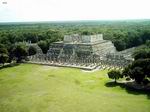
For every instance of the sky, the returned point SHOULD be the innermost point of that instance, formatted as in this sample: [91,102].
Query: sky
[66,10]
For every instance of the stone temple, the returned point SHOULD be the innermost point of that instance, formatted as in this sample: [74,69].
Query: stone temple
[83,51]
[77,48]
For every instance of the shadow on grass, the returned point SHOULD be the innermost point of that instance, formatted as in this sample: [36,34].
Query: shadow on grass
[113,84]
[128,89]
[9,65]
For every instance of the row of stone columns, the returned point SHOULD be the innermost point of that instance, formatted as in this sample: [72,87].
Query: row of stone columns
[79,61]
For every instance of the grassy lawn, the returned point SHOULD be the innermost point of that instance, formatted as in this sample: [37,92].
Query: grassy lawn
[37,88]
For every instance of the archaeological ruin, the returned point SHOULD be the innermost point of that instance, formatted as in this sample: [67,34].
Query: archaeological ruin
[83,51]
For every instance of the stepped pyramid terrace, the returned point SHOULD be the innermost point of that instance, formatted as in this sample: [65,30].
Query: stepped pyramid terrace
[76,48]
[82,51]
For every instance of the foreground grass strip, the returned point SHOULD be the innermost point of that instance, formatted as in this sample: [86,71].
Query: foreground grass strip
[37,88]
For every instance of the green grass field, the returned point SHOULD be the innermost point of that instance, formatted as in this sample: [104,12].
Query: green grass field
[37,88]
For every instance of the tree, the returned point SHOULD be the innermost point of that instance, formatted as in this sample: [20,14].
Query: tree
[148,43]
[31,37]
[3,49]
[86,33]
[138,74]
[133,39]
[32,50]
[142,54]
[20,51]
[138,70]
[145,35]
[44,46]
[120,45]
[115,74]
[3,54]
[10,48]
[54,35]
[3,58]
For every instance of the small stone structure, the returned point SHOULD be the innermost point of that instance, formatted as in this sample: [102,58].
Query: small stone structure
[82,51]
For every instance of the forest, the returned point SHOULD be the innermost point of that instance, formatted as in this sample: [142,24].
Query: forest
[124,34]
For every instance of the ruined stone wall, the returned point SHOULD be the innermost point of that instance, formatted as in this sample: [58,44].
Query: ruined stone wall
[72,38]
[75,38]
[96,38]
[104,48]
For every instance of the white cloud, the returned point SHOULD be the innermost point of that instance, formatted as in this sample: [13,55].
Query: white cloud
[51,10]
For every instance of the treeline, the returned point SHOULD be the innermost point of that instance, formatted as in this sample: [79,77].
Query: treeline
[124,34]
[43,37]
[11,37]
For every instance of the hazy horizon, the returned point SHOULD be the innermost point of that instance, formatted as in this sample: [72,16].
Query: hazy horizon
[63,21]
[73,10]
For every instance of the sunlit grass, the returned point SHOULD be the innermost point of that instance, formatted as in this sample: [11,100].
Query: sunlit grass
[37,88]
